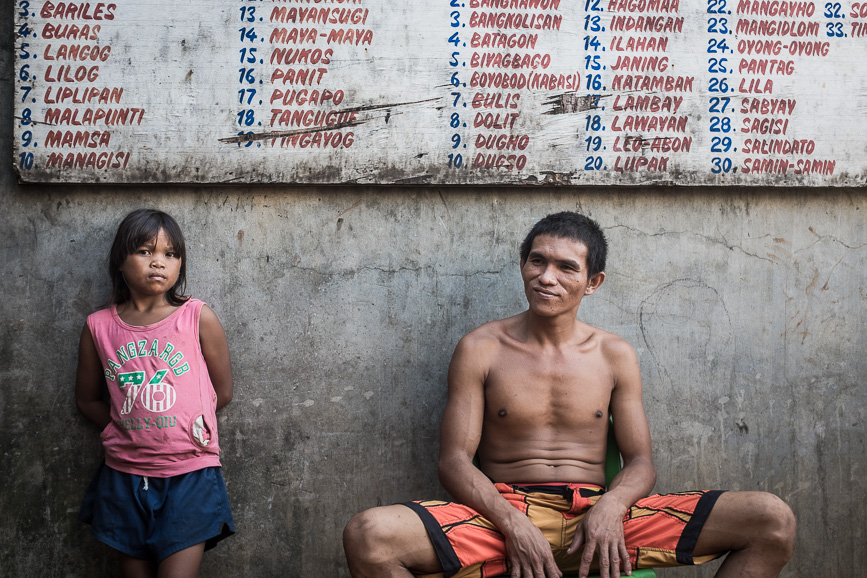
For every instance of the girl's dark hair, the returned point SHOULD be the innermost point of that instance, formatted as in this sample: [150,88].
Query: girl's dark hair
[136,229]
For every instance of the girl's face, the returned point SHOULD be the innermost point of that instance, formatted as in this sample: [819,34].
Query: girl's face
[153,268]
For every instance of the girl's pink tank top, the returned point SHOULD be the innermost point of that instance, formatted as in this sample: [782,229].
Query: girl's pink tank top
[163,404]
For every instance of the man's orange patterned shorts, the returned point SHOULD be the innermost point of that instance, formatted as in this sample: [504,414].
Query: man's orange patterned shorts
[660,530]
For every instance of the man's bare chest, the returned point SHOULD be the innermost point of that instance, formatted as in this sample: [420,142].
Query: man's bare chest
[534,393]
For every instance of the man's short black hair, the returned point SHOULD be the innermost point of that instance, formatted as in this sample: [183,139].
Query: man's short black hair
[569,225]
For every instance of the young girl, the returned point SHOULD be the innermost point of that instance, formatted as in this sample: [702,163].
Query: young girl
[160,498]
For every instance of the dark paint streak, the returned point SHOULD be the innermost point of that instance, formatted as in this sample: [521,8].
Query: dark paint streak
[419,180]
[570,103]
[381,106]
[280,134]
[286,133]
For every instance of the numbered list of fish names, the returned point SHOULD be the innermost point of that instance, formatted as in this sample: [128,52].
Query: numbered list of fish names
[715,92]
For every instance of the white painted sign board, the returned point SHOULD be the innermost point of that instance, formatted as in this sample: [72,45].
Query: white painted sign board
[599,92]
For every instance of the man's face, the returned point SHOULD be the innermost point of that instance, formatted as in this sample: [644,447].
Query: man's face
[555,275]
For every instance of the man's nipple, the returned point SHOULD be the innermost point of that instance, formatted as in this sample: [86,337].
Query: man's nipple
[598,413]
[502,412]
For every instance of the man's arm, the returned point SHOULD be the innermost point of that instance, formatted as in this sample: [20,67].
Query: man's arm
[601,530]
[528,551]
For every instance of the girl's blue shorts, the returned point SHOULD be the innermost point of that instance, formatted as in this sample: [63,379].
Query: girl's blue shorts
[153,518]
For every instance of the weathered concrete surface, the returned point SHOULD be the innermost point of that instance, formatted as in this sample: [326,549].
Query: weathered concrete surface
[342,307]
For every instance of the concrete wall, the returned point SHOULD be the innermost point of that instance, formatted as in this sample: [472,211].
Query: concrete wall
[342,306]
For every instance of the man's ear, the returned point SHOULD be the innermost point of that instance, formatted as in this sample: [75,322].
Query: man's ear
[594,282]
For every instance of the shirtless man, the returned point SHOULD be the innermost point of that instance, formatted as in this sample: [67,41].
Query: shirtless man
[532,395]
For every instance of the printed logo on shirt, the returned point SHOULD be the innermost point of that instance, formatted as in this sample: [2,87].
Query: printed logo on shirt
[159,422]
[143,348]
[156,396]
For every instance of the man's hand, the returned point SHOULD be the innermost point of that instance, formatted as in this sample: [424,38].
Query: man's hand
[529,552]
[601,530]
